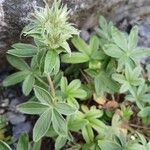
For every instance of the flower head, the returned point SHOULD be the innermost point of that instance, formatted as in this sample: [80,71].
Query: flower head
[51,27]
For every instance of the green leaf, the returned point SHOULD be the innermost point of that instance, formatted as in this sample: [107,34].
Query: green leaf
[144,112]
[119,78]
[76,124]
[88,134]
[125,87]
[59,123]
[23,50]
[4,146]
[36,145]
[60,142]
[42,125]
[80,44]
[133,38]
[74,85]
[75,58]
[119,38]
[15,78]
[103,83]
[32,108]
[113,50]
[65,109]
[43,96]
[103,23]
[17,62]
[50,61]
[94,43]
[64,84]
[98,125]
[140,52]
[108,145]
[28,84]
[23,143]
[79,93]
[65,45]
[94,113]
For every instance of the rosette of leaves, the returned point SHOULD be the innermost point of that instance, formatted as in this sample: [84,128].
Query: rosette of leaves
[72,91]
[124,47]
[50,112]
[131,77]
[87,121]
[140,95]
[100,67]
[90,54]
[29,75]
[50,29]
[50,26]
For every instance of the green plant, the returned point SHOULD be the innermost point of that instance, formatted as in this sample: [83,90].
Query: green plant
[108,64]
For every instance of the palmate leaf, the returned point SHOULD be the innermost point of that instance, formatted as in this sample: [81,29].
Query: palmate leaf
[130,78]
[42,125]
[72,90]
[103,83]
[32,107]
[23,50]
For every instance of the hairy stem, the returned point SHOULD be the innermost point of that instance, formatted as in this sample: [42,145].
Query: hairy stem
[51,85]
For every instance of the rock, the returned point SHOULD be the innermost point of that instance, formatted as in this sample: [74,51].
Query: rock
[20,128]
[15,118]
[15,13]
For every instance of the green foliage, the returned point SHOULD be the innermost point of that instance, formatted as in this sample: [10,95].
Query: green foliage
[108,63]
[72,91]
[86,121]
[50,112]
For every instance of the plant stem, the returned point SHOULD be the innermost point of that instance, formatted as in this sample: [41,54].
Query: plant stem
[51,85]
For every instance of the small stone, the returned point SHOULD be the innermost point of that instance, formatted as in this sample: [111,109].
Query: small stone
[13,104]
[15,118]
[20,128]
[2,111]
[5,103]
[85,35]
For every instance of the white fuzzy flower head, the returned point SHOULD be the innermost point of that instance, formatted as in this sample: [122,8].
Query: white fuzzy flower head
[50,26]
